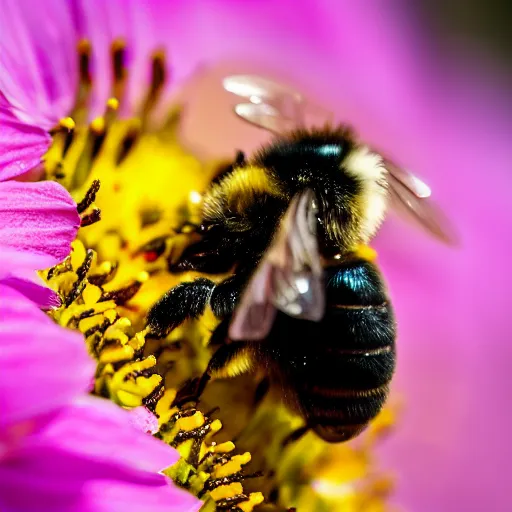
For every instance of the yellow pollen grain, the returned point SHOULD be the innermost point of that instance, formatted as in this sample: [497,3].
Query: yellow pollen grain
[68,123]
[142,277]
[98,124]
[226,447]
[231,467]
[255,498]
[113,103]
[190,423]
[227,491]
[91,294]
[215,426]
[115,354]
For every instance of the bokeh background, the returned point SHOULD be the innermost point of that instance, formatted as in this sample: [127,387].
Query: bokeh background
[429,82]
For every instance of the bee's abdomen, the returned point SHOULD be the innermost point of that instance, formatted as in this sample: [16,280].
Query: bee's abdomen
[341,367]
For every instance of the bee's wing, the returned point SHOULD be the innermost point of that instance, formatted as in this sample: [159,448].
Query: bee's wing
[279,109]
[289,277]
[271,105]
[410,197]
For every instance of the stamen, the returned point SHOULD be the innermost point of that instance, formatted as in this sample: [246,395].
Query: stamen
[122,295]
[111,112]
[84,62]
[235,477]
[93,144]
[149,216]
[81,274]
[118,52]
[91,218]
[158,79]
[228,503]
[101,279]
[89,198]
[151,400]
[127,143]
[79,112]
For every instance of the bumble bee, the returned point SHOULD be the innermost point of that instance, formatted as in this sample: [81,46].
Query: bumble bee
[302,302]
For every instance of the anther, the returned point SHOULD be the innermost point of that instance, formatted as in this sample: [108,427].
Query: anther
[152,399]
[93,144]
[91,218]
[81,274]
[101,279]
[85,80]
[158,79]
[128,142]
[229,502]
[111,111]
[84,56]
[122,295]
[89,198]
[118,55]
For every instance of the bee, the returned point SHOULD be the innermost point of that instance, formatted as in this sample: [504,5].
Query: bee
[303,302]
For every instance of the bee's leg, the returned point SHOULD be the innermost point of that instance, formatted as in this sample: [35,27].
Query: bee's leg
[187,300]
[226,361]
[225,298]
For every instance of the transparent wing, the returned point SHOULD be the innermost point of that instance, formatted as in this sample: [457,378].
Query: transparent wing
[410,197]
[289,278]
[271,105]
[279,109]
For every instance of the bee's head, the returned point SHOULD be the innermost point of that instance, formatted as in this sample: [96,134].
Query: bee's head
[348,179]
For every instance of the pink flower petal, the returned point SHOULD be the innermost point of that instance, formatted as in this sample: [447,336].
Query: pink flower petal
[113,496]
[15,263]
[96,428]
[38,60]
[40,218]
[144,420]
[43,477]
[42,296]
[133,22]
[21,145]
[43,366]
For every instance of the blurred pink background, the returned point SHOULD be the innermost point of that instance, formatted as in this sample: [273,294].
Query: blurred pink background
[443,112]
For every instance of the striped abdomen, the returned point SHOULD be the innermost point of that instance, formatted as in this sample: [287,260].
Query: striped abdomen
[340,368]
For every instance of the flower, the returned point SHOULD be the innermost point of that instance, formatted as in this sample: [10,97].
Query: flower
[38,221]
[58,449]
[374,69]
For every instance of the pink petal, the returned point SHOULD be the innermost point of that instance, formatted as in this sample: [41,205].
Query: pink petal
[41,476]
[113,496]
[43,366]
[38,59]
[21,145]
[42,296]
[144,420]
[13,262]
[40,218]
[132,21]
[96,428]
